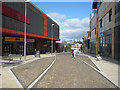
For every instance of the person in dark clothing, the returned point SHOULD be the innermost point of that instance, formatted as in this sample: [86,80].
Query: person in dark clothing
[72,53]
[35,53]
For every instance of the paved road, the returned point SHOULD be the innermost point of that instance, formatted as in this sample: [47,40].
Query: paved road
[71,73]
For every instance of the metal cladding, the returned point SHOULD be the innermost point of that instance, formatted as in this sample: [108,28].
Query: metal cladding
[38,23]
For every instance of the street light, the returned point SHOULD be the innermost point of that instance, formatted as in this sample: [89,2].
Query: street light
[52,38]
[25,29]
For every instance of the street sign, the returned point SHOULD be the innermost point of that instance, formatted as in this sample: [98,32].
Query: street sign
[101,34]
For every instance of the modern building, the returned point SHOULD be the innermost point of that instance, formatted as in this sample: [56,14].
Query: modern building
[105,29]
[86,43]
[59,47]
[41,29]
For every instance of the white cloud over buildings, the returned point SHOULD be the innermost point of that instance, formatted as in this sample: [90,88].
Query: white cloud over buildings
[57,16]
[71,28]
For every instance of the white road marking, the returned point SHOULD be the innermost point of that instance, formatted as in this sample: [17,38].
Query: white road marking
[41,75]
[99,72]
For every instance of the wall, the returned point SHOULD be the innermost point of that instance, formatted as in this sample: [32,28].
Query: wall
[103,7]
[117,30]
[93,21]
[36,20]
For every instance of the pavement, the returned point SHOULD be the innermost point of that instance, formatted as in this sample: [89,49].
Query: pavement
[7,79]
[87,60]
[68,72]
[108,66]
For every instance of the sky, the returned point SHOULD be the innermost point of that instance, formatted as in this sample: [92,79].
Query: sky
[72,17]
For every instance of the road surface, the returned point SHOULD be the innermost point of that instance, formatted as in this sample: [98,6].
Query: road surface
[68,72]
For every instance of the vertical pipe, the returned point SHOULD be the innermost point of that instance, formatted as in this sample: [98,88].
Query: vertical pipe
[25,32]
[97,33]
[51,38]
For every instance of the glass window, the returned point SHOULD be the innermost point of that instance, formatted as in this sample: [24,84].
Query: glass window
[110,15]
[95,31]
[101,23]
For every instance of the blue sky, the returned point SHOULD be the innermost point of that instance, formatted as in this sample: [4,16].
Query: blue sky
[73,17]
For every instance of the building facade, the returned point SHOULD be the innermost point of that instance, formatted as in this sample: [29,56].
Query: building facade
[40,30]
[86,43]
[104,29]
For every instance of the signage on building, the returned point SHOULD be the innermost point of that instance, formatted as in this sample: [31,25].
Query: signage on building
[101,34]
[17,39]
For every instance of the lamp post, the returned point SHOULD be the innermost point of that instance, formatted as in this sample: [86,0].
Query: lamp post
[25,29]
[52,38]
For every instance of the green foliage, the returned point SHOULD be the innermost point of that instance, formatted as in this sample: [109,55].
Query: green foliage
[81,48]
[66,48]
[63,47]
[69,47]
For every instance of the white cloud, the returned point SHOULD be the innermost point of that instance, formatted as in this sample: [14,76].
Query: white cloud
[56,16]
[73,33]
[74,28]
[76,23]
[70,28]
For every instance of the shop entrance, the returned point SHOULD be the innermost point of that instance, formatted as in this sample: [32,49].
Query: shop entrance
[12,48]
[7,48]
[15,45]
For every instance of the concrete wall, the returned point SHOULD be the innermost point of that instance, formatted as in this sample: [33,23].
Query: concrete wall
[103,7]
[93,21]
[105,23]
[117,13]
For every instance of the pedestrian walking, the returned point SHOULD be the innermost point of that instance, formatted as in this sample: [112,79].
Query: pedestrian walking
[72,53]
[35,53]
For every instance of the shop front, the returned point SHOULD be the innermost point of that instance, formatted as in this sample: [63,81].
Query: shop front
[106,43]
[93,46]
[93,42]
[15,45]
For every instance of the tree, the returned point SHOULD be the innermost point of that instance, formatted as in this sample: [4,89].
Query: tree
[66,48]
[81,48]
[69,47]
[63,47]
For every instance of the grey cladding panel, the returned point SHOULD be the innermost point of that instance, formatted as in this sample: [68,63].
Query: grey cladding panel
[12,23]
[18,6]
[36,25]
[55,28]
[49,28]
[36,18]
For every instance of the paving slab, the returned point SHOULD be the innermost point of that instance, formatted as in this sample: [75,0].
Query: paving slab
[7,79]
[28,72]
[109,67]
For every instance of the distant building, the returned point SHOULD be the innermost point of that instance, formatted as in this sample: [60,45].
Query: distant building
[59,47]
[76,46]
[86,43]
[69,41]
